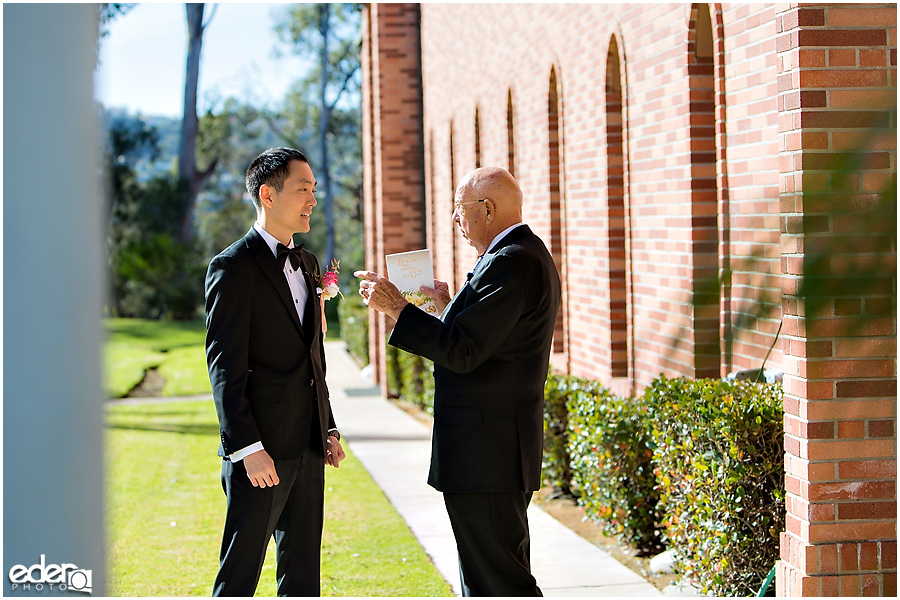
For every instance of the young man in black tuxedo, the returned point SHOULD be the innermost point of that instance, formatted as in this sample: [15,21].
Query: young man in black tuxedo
[267,368]
[491,351]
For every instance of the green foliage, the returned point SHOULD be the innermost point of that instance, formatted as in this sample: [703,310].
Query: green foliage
[330,30]
[169,511]
[427,398]
[611,464]
[701,460]
[555,465]
[354,318]
[394,378]
[719,455]
[323,111]
[410,378]
[223,219]
[409,368]
[153,274]
[233,135]
[416,380]
[159,277]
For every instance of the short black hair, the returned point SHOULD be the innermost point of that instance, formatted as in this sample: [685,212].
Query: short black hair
[271,167]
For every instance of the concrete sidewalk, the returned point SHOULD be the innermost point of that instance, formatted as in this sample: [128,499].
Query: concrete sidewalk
[395,449]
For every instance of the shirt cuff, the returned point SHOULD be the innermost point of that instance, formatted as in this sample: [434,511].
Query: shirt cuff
[240,454]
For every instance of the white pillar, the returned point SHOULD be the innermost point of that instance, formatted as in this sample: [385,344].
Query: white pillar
[53,238]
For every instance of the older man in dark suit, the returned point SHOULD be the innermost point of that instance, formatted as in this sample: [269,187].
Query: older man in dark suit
[491,349]
[267,369]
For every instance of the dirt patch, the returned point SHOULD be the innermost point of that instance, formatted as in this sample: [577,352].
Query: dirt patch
[151,386]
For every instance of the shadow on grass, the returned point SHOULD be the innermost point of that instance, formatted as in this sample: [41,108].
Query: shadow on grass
[193,429]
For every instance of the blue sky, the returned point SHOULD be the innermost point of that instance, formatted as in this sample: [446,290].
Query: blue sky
[142,60]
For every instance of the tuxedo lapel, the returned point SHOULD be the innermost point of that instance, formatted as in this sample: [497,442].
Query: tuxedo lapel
[454,306]
[312,316]
[269,266]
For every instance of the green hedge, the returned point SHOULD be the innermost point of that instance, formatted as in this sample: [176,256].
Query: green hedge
[555,465]
[697,465]
[611,462]
[719,454]
[354,318]
[410,378]
[394,378]
[417,380]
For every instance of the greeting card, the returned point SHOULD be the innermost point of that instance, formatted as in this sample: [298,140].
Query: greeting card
[408,271]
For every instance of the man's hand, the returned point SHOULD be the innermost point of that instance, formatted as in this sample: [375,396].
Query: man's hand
[261,469]
[335,452]
[440,293]
[380,294]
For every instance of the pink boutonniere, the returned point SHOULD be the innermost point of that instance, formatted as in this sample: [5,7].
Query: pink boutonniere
[328,282]
[327,288]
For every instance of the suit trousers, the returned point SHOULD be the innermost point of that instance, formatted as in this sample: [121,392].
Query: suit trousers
[491,530]
[292,511]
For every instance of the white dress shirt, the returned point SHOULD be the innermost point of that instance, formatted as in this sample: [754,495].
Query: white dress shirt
[295,280]
[502,235]
[493,243]
[299,293]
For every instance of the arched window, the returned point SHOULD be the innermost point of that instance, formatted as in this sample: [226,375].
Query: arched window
[704,196]
[453,230]
[477,140]
[615,185]
[510,136]
[555,169]
[432,224]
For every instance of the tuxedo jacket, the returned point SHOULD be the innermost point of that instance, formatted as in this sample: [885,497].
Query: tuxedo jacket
[267,371]
[491,349]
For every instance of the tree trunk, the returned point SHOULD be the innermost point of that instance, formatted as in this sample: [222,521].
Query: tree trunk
[324,119]
[190,180]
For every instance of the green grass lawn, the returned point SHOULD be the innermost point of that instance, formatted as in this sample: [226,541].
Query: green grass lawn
[166,509]
[176,348]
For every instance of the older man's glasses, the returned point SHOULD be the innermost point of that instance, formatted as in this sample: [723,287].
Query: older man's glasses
[457,206]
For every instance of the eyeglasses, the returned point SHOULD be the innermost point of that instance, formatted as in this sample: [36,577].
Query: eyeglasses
[459,205]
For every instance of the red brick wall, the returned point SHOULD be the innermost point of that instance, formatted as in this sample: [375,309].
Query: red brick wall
[393,150]
[717,163]
[463,70]
[837,97]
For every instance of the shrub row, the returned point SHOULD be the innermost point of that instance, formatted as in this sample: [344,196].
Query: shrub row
[612,470]
[720,467]
[410,378]
[694,464]
[354,318]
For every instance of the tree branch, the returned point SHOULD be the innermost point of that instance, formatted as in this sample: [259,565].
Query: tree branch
[211,15]
[347,78]
[348,51]
[276,130]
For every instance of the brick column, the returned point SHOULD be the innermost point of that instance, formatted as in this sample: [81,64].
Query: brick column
[393,149]
[837,153]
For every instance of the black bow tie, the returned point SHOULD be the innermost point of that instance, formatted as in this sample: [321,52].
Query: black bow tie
[284,252]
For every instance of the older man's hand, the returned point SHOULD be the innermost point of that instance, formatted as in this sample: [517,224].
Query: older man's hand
[440,294]
[379,293]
